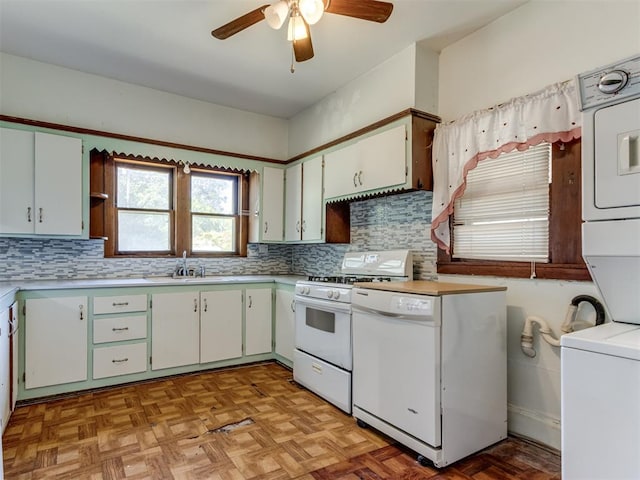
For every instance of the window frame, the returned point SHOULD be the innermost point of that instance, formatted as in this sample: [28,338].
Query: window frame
[565,229]
[170,210]
[181,211]
[237,208]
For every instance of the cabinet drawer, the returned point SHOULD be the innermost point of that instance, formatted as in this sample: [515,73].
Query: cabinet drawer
[119,328]
[120,303]
[119,360]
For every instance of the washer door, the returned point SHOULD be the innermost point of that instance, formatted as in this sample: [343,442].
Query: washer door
[617,156]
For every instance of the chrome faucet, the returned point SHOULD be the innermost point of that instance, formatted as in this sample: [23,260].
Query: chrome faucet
[185,270]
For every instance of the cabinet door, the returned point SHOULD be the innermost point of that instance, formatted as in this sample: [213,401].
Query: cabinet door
[341,171]
[14,355]
[220,325]
[272,203]
[258,321]
[16,181]
[58,184]
[175,329]
[383,159]
[55,341]
[293,203]
[312,199]
[285,315]
[5,382]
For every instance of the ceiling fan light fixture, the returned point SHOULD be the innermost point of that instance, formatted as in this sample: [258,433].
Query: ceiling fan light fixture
[276,13]
[311,10]
[297,29]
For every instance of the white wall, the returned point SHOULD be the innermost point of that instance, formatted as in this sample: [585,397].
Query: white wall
[540,43]
[385,90]
[49,93]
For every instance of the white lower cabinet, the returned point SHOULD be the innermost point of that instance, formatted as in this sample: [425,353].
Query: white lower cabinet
[175,329]
[56,342]
[116,329]
[119,360]
[285,318]
[220,325]
[258,309]
[5,376]
[195,327]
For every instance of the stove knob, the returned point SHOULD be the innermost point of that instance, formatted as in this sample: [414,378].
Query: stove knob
[336,294]
[306,290]
[329,294]
[300,289]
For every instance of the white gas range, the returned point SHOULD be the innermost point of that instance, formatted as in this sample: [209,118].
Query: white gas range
[323,355]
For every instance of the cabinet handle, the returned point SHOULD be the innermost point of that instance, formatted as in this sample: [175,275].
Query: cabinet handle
[81,307]
[29,214]
[120,304]
[266,226]
[122,360]
[121,329]
[360,177]
[40,215]
[195,304]
[13,326]
[250,301]
[293,306]
[304,226]
[355,176]
[298,226]
[205,304]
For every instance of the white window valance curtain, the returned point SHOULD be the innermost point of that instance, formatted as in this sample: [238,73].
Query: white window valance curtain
[549,115]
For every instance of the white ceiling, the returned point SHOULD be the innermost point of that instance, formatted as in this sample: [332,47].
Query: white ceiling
[167,45]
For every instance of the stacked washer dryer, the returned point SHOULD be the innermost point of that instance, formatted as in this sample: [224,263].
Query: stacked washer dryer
[601,365]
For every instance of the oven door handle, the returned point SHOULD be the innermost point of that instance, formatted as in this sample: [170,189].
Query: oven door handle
[326,305]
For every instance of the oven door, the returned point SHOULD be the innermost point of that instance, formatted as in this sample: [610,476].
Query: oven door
[323,329]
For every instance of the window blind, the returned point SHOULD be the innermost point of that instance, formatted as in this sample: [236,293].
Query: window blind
[504,212]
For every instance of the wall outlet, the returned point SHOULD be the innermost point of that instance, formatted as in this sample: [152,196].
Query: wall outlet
[262,248]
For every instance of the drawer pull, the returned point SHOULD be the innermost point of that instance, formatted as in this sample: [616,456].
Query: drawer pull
[122,360]
[120,304]
[121,329]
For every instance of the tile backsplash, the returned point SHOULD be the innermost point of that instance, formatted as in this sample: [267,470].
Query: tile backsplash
[385,223]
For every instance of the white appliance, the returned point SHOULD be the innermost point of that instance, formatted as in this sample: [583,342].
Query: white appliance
[610,100]
[600,369]
[322,359]
[430,371]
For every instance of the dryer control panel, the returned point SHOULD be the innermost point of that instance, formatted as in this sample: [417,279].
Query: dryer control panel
[609,84]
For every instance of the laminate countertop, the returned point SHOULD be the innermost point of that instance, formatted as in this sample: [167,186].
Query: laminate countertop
[425,287]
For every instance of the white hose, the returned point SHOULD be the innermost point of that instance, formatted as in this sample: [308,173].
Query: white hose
[526,338]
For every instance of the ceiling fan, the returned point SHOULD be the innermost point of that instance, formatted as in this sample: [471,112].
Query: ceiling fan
[301,14]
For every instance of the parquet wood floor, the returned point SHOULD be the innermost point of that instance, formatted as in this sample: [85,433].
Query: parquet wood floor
[235,424]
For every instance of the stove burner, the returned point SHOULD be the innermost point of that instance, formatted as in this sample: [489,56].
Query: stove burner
[346,280]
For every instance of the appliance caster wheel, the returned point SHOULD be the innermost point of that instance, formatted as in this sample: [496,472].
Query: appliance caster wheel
[424,461]
[360,423]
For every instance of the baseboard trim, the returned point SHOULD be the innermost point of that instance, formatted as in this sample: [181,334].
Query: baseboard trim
[534,426]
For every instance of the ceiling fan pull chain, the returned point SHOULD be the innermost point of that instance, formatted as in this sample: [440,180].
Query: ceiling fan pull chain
[293,65]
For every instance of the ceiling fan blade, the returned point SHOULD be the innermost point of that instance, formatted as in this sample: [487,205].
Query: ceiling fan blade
[240,23]
[372,10]
[303,48]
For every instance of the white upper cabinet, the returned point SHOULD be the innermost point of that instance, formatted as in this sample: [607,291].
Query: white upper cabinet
[40,183]
[375,162]
[271,211]
[341,171]
[293,205]
[303,208]
[312,199]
